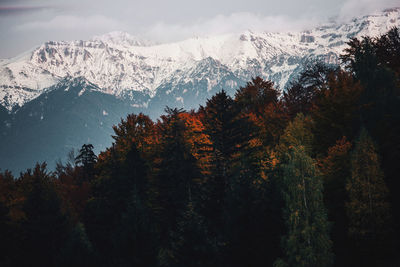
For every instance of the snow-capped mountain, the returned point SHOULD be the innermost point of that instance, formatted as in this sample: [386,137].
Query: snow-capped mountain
[142,71]
[64,117]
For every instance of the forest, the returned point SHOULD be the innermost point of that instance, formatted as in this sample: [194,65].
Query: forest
[306,177]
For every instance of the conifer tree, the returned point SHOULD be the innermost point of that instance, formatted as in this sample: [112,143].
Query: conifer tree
[256,95]
[374,62]
[77,249]
[218,118]
[302,92]
[178,175]
[86,159]
[368,209]
[46,226]
[86,156]
[5,229]
[335,171]
[118,178]
[232,164]
[134,237]
[307,241]
[335,111]
[191,244]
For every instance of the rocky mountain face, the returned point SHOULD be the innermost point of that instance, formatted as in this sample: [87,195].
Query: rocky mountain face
[124,66]
[63,94]
[69,114]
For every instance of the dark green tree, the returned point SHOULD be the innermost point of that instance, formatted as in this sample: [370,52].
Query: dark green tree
[191,244]
[177,178]
[86,156]
[301,93]
[307,241]
[118,177]
[256,95]
[46,226]
[368,208]
[374,62]
[6,242]
[77,249]
[335,171]
[228,135]
[335,111]
[135,236]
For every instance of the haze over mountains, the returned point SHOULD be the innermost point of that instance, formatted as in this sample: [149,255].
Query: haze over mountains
[63,94]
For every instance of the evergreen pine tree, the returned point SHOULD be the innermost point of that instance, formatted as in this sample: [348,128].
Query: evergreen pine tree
[45,226]
[336,170]
[77,249]
[374,62]
[299,97]
[134,237]
[368,209]
[117,178]
[177,178]
[86,159]
[86,156]
[335,111]
[229,134]
[191,244]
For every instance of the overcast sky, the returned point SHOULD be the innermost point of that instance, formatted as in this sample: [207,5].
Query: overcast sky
[26,24]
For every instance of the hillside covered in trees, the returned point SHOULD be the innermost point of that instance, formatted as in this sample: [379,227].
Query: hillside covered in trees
[307,178]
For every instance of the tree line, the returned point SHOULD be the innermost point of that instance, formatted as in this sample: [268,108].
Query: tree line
[306,178]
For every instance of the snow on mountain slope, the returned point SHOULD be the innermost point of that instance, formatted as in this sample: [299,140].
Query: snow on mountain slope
[124,66]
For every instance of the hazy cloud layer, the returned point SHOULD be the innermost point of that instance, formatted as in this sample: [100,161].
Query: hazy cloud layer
[25,24]
[19,10]
[351,8]
[70,22]
[220,24]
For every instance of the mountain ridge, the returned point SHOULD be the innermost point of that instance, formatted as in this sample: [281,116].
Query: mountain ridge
[126,66]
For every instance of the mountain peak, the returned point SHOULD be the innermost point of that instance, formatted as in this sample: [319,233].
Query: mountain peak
[79,81]
[121,64]
[122,38]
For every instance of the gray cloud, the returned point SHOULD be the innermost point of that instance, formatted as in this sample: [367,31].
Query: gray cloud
[352,8]
[221,24]
[71,22]
[20,10]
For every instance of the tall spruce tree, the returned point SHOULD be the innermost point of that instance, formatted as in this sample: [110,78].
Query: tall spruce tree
[368,208]
[335,171]
[218,117]
[134,237]
[46,226]
[335,111]
[86,156]
[177,178]
[375,63]
[302,92]
[77,249]
[229,189]
[118,177]
[190,243]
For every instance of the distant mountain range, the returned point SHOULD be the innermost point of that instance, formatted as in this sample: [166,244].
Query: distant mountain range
[63,94]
